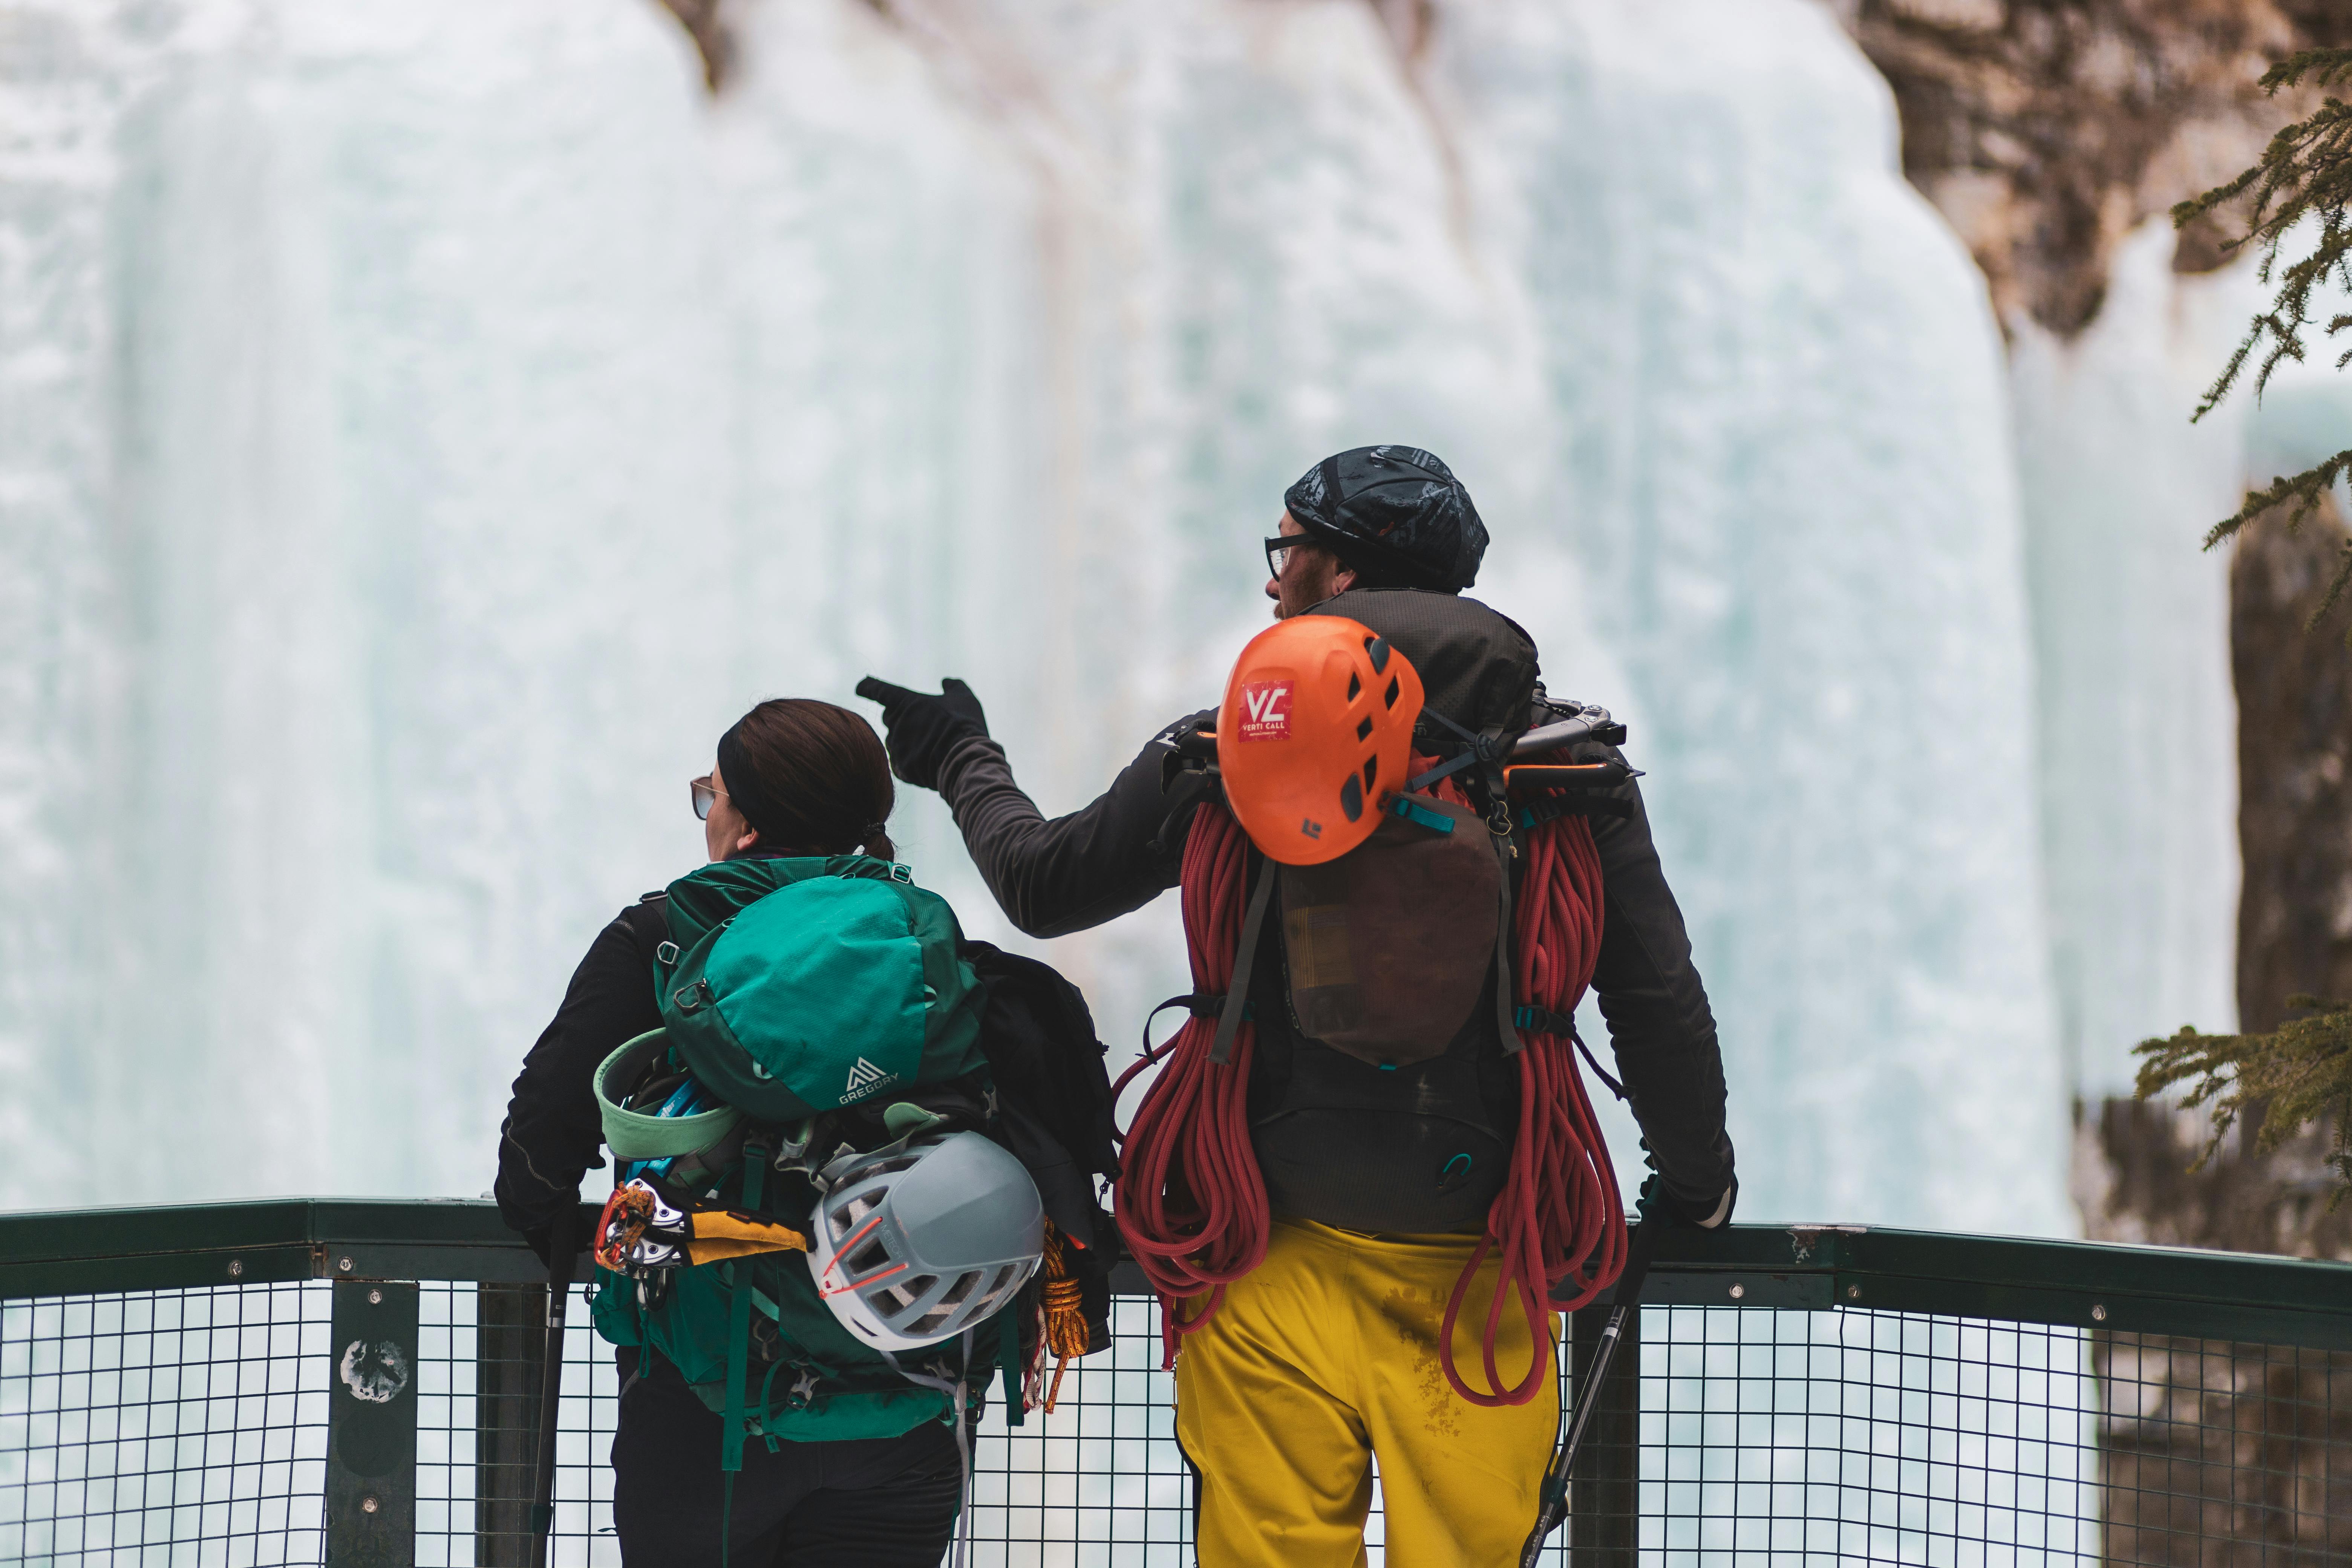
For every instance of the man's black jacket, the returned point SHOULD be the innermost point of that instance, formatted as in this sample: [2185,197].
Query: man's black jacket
[1095,864]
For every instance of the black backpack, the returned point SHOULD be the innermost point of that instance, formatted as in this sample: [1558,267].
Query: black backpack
[1054,1109]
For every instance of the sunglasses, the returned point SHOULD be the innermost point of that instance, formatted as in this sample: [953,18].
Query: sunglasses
[705,793]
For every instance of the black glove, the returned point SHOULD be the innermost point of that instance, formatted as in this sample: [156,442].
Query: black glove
[922,729]
[1658,1202]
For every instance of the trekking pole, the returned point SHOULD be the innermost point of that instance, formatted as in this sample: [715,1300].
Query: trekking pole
[1553,1506]
[562,1255]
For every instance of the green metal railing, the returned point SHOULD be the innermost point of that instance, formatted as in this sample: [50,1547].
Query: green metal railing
[310,1381]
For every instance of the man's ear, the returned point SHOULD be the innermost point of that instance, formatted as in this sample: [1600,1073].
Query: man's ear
[1343,579]
[750,837]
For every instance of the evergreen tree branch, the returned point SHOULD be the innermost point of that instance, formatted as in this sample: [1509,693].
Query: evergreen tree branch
[2297,1075]
[2305,178]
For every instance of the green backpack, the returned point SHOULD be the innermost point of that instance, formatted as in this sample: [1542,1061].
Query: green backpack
[791,988]
[797,987]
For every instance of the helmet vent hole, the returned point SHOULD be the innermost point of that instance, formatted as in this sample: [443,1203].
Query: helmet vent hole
[1393,691]
[1363,728]
[1378,651]
[873,1255]
[915,1289]
[1371,772]
[1351,798]
[960,1291]
[1355,685]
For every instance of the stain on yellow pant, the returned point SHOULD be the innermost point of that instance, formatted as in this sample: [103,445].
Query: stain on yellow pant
[1327,1355]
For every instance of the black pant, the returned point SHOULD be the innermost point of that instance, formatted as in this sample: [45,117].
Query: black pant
[869,1503]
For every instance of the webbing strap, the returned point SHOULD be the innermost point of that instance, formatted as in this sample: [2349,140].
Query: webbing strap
[1016,1374]
[1420,782]
[739,1326]
[1544,1021]
[1505,1019]
[963,1558]
[1415,812]
[1245,959]
[739,1361]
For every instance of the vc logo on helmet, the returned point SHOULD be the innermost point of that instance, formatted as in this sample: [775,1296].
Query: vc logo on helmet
[1266,711]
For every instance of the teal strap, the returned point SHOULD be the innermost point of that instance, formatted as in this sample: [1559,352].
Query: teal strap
[767,1386]
[1412,810]
[738,1326]
[738,1366]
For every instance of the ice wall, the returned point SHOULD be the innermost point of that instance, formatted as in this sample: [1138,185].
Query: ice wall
[1785,463]
[2138,722]
[442,420]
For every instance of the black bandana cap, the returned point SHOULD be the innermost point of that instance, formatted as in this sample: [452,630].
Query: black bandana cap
[1396,515]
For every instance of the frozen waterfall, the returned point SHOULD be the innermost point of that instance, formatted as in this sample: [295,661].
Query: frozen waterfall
[427,424]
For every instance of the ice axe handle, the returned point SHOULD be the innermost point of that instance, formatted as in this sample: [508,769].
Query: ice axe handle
[563,1257]
[1553,1504]
[1593,724]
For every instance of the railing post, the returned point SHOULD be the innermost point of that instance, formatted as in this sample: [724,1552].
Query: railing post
[509,1342]
[1603,1497]
[372,1426]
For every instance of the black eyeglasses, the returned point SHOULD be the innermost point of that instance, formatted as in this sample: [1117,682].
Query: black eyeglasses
[705,793]
[1278,549]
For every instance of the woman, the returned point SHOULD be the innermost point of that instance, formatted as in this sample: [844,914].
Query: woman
[794,778]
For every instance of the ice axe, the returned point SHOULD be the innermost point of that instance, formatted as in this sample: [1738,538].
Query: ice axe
[1552,1506]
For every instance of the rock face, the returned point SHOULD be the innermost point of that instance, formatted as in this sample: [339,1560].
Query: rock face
[2204,1442]
[2134,1185]
[2047,129]
[2295,760]
[2294,922]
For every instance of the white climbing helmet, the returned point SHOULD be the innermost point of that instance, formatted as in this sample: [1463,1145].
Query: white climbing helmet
[919,1241]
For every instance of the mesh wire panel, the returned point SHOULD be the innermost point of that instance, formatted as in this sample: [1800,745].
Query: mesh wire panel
[1100,1481]
[1868,1437]
[163,1427]
[190,1427]
[1861,1436]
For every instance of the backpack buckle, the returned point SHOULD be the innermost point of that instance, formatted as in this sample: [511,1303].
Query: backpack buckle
[691,998]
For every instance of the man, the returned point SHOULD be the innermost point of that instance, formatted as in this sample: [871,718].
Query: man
[1325,1355]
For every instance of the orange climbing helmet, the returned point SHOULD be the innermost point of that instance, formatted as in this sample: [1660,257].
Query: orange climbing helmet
[1315,731]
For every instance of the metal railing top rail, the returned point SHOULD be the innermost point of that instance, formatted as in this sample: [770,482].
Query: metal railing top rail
[2087,1285]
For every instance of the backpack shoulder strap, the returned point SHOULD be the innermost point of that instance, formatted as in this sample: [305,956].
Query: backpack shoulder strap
[648,921]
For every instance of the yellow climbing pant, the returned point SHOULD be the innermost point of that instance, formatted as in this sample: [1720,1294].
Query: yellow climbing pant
[1327,1355]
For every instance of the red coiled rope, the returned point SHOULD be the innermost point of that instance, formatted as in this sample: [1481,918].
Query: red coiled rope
[1558,1210]
[1192,1203]
[1190,1200]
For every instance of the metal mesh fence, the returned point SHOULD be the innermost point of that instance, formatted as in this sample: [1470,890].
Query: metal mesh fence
[190,1427]
[163,1427]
